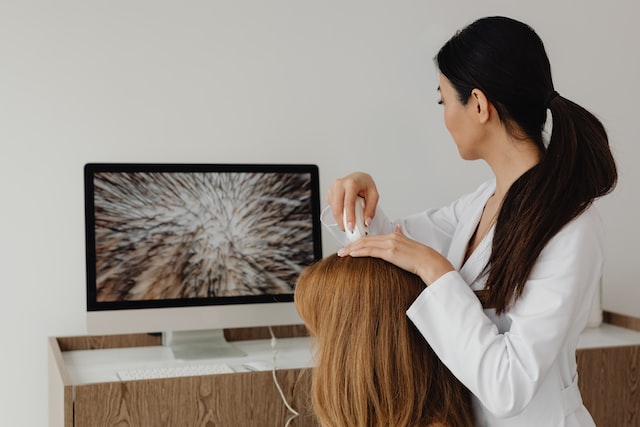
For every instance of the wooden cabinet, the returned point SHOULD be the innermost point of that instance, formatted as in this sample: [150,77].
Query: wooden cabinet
[608,369]
[242,399]
[239,399]
[609,372]
[609,380]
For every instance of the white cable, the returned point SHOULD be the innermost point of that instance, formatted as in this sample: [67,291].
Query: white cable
[295,413]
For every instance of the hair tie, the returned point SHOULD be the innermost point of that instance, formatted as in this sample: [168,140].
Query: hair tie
[549,98]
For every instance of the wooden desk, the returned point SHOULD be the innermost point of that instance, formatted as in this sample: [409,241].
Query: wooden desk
[239,399]
[608,368]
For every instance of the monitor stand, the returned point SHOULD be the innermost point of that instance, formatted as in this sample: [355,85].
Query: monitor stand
[201,344]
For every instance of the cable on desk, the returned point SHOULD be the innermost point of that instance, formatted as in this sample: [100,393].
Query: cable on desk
[274,343]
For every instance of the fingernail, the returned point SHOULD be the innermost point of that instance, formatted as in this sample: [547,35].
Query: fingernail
[341,252]
[350,226]
[367,221]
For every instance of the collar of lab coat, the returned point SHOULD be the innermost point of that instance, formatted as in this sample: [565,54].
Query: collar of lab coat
[471,271]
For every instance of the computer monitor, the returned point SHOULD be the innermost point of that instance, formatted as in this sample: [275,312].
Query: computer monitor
[190,249]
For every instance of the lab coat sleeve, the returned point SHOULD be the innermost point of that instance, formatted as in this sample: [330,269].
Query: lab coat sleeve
[504,370]
[433,227]
[436,227]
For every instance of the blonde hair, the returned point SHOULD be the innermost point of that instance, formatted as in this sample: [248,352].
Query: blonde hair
[373,368]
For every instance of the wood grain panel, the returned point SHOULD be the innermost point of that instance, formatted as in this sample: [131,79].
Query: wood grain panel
[609,380]
[108,341]
[621,320]
[262,333]
[140,340]
[242,399]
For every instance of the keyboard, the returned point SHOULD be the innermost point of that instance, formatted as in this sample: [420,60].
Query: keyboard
[150,373]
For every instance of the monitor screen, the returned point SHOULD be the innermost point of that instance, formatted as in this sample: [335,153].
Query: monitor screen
[216,245]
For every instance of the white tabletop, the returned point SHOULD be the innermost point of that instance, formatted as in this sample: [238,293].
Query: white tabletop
[94,366]
[607,335]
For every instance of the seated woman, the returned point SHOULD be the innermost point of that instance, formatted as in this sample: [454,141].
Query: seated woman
[373,368]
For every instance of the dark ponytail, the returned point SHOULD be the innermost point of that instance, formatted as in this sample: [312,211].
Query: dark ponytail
[506,60]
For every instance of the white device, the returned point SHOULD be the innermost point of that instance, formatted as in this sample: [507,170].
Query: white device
[360,229]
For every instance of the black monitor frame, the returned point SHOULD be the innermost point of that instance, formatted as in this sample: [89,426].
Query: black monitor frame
[90,171]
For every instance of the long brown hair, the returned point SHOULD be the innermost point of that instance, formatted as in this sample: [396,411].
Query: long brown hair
[373,368]
[507,61]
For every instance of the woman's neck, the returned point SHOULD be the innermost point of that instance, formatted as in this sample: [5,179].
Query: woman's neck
[510,162]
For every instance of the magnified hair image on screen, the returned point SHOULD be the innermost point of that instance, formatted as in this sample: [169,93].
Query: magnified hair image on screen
[189,235]
[372,367]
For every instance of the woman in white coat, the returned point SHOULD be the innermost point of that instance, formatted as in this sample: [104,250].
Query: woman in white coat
[529,240]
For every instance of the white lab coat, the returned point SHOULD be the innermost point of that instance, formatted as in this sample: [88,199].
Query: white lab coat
[520,366]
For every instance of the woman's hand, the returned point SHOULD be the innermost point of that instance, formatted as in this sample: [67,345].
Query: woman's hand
[343,194]
[403,252]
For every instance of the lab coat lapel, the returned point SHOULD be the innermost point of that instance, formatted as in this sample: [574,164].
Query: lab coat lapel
[472,268]
[462,235]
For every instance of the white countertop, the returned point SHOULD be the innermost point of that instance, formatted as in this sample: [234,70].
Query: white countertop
[607,335]
[93,366]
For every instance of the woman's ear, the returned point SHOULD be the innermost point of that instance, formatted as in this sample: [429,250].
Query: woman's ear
[481,105]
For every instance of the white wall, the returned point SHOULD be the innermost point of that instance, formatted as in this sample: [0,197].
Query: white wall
[344,84]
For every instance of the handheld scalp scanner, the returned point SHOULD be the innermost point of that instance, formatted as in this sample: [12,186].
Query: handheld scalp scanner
[359,227]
